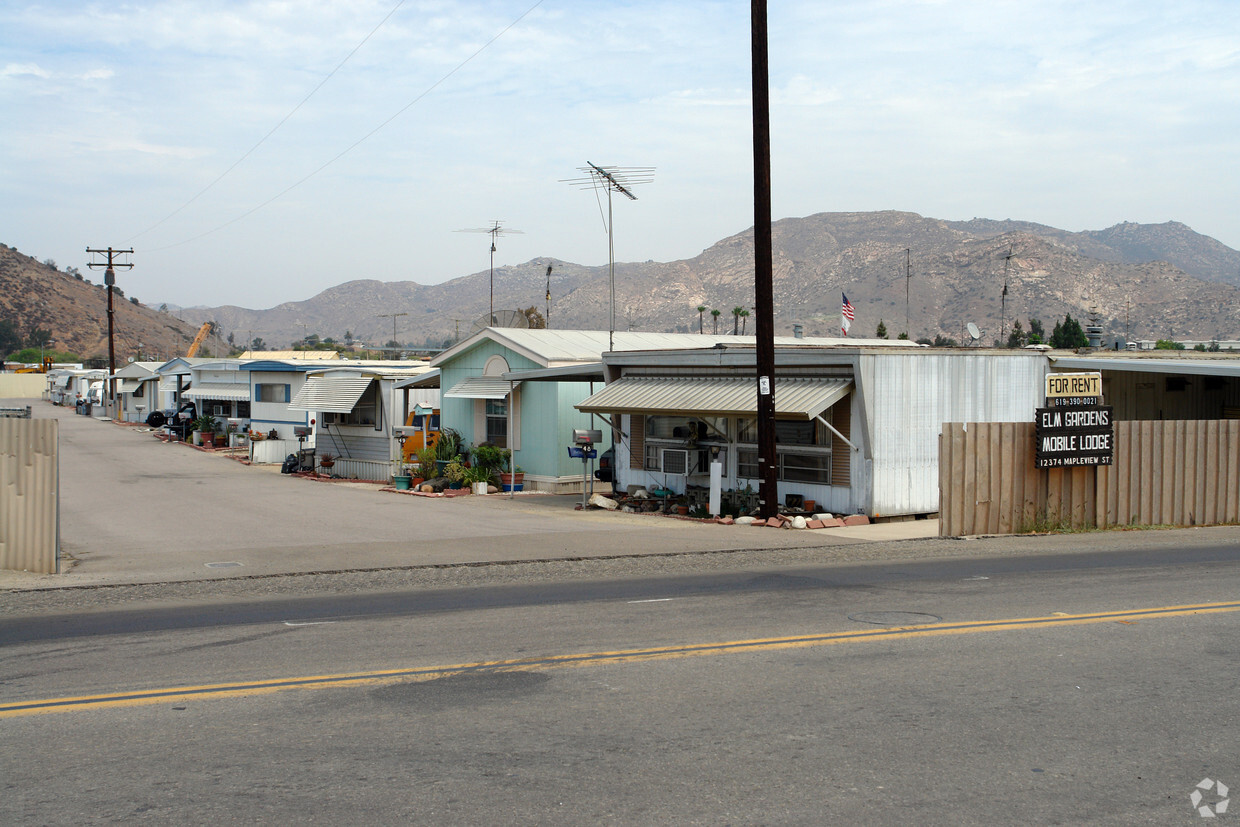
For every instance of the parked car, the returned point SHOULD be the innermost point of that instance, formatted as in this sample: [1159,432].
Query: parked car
[606,466]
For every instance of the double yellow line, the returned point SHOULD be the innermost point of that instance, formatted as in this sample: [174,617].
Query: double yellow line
[426,673]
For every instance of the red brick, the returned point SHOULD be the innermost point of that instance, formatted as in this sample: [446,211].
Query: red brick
[726,521]
[856,519]
[834,522]
[814,524]
[775,522]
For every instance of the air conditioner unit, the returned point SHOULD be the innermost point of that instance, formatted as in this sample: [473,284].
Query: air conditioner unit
[674,461]
[330,418]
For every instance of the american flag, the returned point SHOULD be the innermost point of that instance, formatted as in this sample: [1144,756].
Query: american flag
[847,314]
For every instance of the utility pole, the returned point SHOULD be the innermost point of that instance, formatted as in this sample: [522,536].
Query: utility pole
[1007,260]
[764,296]
[109,279]
[393,317]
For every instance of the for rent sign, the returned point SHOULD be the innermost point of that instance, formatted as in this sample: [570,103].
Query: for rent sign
[1074,429]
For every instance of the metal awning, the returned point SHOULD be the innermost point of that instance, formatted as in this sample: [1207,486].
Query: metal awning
[337,394]
[128,385]
[63,381]
[430,379]
[481,387]
[720,396]
[223,391]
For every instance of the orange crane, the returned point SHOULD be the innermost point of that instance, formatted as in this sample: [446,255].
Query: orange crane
[203,333]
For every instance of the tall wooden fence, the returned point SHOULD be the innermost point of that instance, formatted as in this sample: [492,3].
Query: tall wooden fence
[1163,473]
[29,495]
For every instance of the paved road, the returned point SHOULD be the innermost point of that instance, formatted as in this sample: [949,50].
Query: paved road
[1012,689]
[137,510]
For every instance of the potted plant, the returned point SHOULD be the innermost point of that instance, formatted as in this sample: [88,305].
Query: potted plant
[447,448]
[204,427]
[478,478]
[491,457]
[513,481]
[327,460]
[454,471]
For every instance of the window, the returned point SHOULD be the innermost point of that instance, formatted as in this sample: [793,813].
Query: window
[267,392]
[497,422]
[803,450]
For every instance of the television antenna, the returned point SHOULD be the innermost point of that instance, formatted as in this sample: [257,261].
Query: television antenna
[495,231]
[613,179]
[1007,261]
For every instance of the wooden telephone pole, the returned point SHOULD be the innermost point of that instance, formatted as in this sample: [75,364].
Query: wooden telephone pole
[109,279]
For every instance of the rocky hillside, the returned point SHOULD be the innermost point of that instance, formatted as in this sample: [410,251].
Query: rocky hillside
[1151,280]
[34,296]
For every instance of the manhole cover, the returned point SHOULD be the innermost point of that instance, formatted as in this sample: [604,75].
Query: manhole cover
[223,565]
[895,618]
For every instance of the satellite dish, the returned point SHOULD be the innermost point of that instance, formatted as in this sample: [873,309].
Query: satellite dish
[974,333]
[131,359]
[500,318]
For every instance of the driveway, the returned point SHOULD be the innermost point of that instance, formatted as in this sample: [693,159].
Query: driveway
[138,510]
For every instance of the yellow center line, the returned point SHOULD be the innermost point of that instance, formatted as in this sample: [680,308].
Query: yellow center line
[426,673]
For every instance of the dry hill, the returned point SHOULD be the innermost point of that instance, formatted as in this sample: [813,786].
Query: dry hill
[34,296]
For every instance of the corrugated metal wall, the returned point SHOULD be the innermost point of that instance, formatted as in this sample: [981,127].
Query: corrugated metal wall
[1184,472]
[29,495]
[908,397]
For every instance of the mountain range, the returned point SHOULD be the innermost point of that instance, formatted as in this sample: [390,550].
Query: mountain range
[1142,281]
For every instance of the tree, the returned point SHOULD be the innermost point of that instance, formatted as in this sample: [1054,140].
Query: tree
[1168,344]
[231,339]
[715,315]
[744,319]
[1068,334]
[943,341]
[1017,337]
[903,336]
[75,272]
[392,343]
[9,338]
[880,332]
[163,308]
[701,310]
[258,344]
[1037,334]
[134,300]
[736,320]
[535,318]
[348,337]
[38,337]
[50,262]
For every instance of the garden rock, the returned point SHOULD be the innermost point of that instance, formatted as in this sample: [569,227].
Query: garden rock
[745,520]
[599,501]
[797,522]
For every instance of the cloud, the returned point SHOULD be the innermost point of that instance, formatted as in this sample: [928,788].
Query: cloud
[13,70]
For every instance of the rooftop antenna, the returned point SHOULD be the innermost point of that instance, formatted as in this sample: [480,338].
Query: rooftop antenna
[393,317]
[908,275]
[613,179]
[495,231]
[547,319]
[1007,260]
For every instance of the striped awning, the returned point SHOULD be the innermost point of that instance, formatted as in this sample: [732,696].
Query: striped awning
[719,396]
[219,390]
[481,387]
[337,394]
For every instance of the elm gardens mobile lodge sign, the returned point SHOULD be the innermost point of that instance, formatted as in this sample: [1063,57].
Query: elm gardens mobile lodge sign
[1074,429]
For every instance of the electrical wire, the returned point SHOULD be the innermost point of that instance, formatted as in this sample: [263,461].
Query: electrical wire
[273,130]
[359,141]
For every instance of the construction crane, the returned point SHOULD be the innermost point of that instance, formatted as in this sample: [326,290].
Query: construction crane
[203,333]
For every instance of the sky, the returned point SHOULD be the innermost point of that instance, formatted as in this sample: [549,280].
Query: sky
[253,153]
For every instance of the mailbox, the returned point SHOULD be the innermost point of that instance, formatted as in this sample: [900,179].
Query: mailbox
[583,437]
[301,431]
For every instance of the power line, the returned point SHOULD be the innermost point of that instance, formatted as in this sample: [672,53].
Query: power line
[273,130]
[356,143]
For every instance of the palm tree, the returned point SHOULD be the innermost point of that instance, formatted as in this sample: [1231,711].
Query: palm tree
[736,320]
[715,314]
[744,318]
[701,310]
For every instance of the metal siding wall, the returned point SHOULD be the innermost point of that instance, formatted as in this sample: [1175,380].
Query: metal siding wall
[29,495]
[22,385]
[910,396]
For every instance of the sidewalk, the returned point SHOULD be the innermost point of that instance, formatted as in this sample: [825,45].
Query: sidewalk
[138,510]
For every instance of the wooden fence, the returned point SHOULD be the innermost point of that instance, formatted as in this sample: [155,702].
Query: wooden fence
[1179,472]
